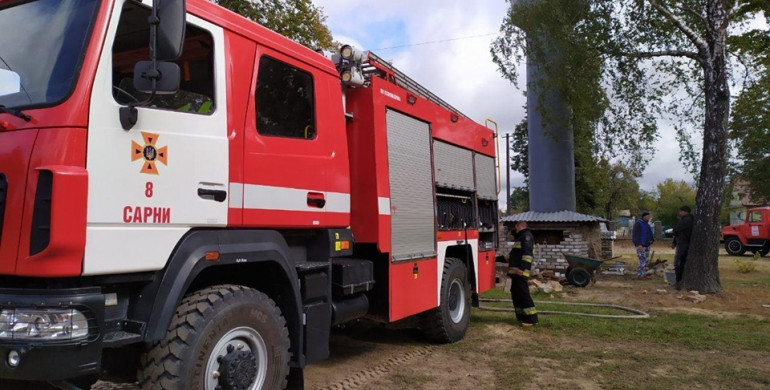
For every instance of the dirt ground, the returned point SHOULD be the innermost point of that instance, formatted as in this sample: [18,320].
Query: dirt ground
[672,349]
[722,343]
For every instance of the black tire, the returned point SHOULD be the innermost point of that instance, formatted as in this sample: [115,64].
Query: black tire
[449,322]
[204,320]
[734,247]
[579,277]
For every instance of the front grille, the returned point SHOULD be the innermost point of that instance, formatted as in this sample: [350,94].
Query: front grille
[3,197]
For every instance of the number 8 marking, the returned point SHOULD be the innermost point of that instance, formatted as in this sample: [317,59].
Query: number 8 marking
[148,189]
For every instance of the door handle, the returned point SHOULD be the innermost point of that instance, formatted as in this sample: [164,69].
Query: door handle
[316,199]
[217,195]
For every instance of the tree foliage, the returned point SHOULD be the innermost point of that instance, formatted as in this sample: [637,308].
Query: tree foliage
[519,199]
[298,20]
[673,194]
[624,64]
[750,124]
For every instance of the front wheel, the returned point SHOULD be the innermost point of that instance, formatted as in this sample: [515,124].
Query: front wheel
[221,338]
[734,247]
[449,322]
[764,251]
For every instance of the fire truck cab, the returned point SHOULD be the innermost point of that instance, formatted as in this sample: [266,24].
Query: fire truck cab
[190,199]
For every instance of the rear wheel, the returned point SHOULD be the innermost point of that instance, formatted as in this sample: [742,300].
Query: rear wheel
[449,322]
[222,338]
[764,251]
[734,247]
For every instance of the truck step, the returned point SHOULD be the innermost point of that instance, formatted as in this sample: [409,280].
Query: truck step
[312,266]
[119,338]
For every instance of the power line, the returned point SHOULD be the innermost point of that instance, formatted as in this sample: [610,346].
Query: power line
[439,41]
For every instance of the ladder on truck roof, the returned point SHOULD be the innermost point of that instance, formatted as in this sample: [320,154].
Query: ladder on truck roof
[406,82]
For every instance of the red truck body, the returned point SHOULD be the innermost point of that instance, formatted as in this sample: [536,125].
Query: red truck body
[752,235]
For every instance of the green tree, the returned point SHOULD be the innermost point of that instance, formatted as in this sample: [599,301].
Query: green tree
[298,20]
[627,64]
[519,199]
[647,201]
[673,194]
[622,190]
[750,133]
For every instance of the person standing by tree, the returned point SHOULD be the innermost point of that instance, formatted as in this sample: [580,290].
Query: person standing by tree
[642,238]
[682,234]
[519,266]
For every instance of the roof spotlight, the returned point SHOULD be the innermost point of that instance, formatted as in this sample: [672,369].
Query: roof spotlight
[350,53]
[352,76]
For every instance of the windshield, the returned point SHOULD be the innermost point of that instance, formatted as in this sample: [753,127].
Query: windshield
[41,47]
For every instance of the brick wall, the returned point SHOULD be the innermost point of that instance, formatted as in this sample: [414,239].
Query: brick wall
[551,257]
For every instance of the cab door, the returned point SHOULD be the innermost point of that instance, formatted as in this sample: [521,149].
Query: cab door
[295,170]
[756,228]
[148,186]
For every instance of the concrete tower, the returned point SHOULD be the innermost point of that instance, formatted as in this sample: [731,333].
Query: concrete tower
[551,142]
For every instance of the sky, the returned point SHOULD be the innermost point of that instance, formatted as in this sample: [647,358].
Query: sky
[461,71]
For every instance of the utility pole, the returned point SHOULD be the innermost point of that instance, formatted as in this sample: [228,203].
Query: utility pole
[508,172]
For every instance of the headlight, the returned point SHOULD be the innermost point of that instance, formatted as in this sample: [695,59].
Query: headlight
[43,324]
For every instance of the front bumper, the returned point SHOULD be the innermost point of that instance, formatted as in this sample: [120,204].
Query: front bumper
[54,360]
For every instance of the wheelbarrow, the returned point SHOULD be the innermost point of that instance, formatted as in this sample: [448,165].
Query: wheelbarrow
[581,270]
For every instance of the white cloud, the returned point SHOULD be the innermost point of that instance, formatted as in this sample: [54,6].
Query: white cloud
[460,71]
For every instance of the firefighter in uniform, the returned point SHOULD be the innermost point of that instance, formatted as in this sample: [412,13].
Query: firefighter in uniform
[519,268]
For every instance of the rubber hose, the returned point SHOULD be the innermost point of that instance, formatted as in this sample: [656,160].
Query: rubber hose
[638,314]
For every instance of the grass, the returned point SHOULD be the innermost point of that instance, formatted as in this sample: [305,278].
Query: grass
[721,344]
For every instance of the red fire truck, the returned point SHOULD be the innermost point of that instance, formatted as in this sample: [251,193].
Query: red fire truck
[752,235]
[190,198]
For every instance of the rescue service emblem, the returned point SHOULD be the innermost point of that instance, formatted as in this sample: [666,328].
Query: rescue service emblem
[151,154]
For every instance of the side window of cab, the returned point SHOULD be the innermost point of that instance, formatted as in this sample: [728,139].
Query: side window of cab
[196,90]
[285,98]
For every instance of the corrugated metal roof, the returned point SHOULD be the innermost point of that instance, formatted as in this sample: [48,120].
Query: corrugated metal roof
[557,216]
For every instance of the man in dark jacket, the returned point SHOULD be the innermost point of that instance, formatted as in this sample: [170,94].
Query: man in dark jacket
[519,268]
[642,238]
[682,234]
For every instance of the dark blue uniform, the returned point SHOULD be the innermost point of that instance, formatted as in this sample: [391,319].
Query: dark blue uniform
[521,257]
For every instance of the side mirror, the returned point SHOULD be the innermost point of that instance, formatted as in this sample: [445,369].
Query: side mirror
[10,82]
[166,75]
[171,28]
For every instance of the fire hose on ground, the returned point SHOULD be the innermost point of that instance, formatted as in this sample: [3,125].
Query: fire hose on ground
[637,314]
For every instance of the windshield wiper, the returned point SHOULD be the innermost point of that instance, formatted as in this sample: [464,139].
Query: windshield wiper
[16,113]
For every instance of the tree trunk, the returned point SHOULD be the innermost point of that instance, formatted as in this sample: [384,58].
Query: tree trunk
[702,268]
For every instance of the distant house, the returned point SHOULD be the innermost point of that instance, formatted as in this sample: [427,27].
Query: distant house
[741,201]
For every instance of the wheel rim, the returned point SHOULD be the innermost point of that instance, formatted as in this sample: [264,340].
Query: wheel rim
[244,340]
[456,301]
[734,246]
[580,278]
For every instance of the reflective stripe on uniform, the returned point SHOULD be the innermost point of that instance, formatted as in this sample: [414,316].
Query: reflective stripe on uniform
[517,245]
[528,259]
[525,274]
[529,311]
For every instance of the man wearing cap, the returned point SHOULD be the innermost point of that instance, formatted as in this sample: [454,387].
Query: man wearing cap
[519,267]
[642,238]
[682,233]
